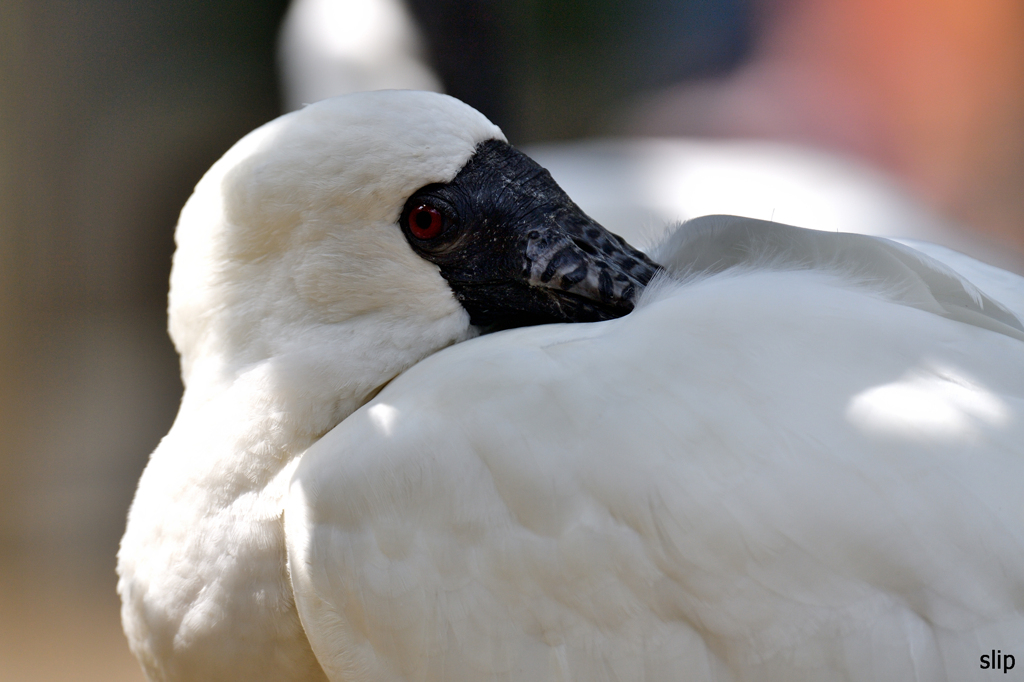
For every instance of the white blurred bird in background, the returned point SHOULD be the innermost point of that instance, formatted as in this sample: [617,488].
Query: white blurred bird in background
[330,48]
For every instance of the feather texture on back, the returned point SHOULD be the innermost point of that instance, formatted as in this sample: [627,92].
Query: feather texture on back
[790,469]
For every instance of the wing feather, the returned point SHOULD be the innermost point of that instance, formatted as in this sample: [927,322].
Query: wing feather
[762,474]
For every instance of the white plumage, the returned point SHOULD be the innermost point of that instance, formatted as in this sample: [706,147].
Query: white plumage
[799,459]
[334,47]
[638,186]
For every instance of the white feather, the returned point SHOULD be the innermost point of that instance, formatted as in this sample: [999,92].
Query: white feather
[334,47]
[761,474]
[800,458]
[294,297]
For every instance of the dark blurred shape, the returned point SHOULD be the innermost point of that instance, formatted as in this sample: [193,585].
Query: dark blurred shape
[556,69]
[466,40]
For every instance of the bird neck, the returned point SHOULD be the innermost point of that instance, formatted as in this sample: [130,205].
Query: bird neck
[205,534]
[287,393]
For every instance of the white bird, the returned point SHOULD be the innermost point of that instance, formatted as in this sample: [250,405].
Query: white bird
[333,47]
[798,458]
[637,187]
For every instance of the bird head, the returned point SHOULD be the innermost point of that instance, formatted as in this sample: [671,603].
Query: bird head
[405,212]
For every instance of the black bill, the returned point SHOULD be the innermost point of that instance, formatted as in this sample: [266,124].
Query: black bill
[516,250]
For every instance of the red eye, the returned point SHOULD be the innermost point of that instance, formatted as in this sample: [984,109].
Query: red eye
[425,222]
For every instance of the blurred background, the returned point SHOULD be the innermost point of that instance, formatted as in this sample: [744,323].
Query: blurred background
[902,117]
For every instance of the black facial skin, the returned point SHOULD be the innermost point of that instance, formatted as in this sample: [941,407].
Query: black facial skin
[517,251]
